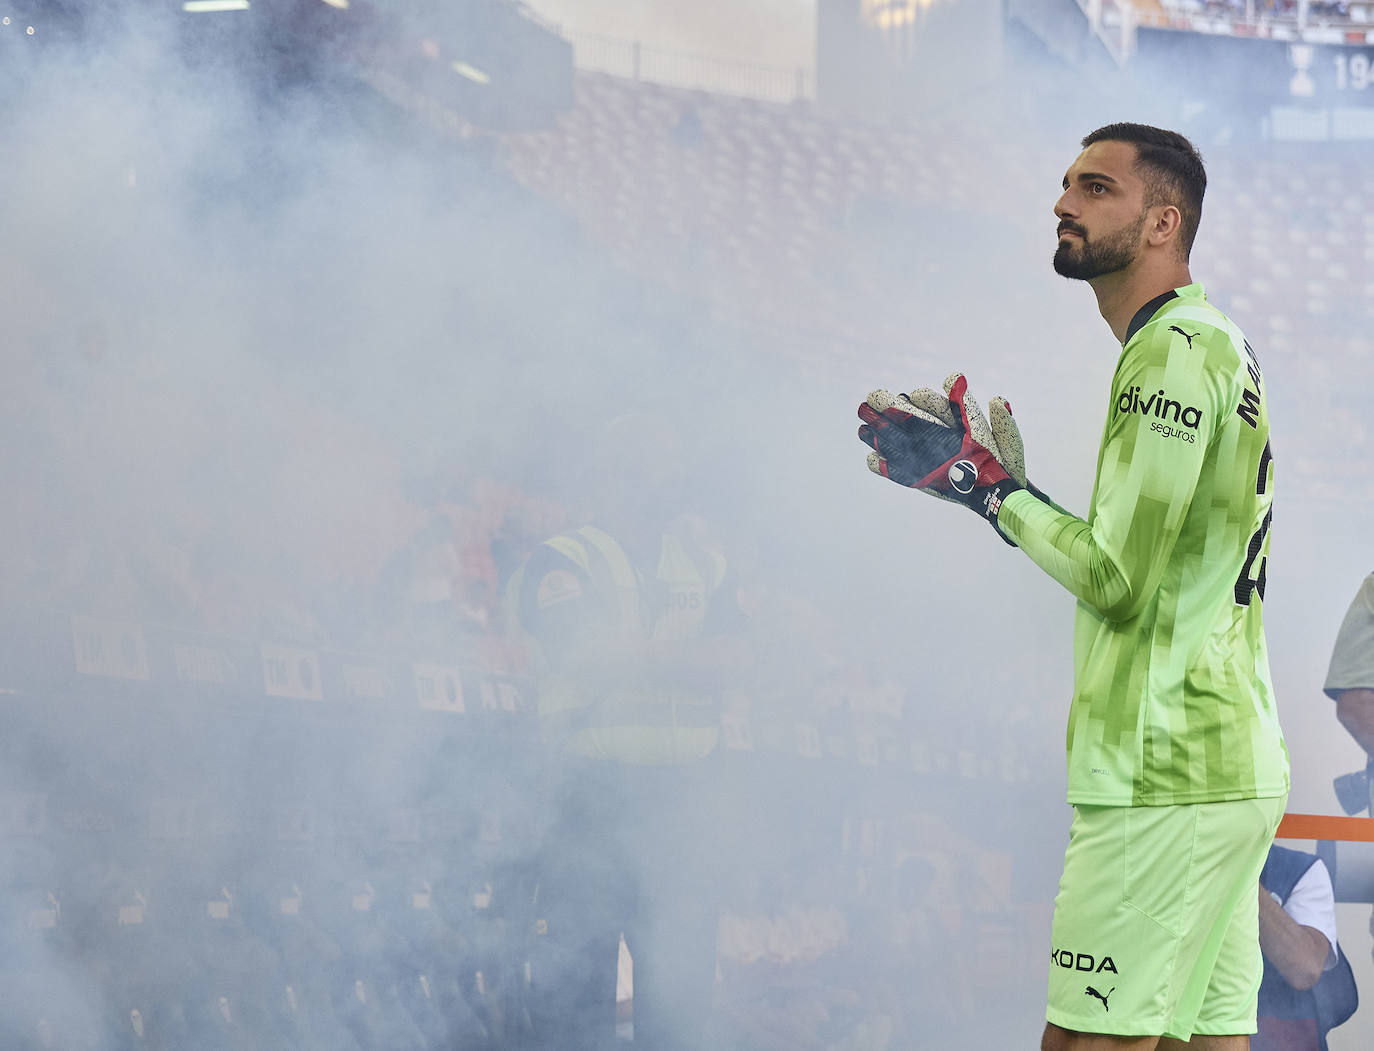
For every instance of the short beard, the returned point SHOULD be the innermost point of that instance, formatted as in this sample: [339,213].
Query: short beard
[1115,252]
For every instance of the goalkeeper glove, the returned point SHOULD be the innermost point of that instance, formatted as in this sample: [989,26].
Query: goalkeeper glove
[1007,444]
[918,448]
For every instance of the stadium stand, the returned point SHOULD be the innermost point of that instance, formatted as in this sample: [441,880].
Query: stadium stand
[745,204]
[1178,13]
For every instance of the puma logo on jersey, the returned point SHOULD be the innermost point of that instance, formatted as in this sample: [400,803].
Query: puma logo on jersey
[1090,991]
[1175,328]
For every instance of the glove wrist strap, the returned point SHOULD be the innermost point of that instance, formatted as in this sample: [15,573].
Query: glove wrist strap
[987,500]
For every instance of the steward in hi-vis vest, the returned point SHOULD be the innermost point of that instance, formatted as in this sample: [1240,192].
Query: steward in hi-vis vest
[633,635]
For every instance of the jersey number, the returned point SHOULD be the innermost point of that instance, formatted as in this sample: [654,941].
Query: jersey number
[1252,576]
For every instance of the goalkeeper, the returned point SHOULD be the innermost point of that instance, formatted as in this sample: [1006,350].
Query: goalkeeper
[1177,769]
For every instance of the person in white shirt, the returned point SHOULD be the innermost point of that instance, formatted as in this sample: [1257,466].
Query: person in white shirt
[1297,933]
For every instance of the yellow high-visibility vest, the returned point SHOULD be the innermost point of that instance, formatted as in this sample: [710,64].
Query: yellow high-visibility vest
[674,724]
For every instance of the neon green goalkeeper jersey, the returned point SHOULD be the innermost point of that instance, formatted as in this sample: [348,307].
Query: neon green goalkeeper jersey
[1172,698]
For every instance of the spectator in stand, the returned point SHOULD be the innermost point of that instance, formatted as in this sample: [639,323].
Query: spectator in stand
[1308,987]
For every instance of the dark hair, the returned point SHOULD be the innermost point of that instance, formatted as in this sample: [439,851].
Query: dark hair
[1171,168]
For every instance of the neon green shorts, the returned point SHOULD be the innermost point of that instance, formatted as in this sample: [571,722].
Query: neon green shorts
[1156,924]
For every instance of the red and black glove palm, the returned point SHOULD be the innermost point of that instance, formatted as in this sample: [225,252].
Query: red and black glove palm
[914,448]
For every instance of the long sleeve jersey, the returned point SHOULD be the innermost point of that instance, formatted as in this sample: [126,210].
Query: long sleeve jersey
[1172,701]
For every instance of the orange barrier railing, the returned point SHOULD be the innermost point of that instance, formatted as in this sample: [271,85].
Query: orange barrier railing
[1321,826]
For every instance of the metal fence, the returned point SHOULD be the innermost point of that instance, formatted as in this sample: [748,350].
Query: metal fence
[635,61]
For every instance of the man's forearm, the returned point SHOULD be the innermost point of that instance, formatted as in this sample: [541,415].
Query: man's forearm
[1355,710]
[1299,952]
[1062,545]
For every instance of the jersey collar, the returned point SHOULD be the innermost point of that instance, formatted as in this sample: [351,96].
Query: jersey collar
[1150,309]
